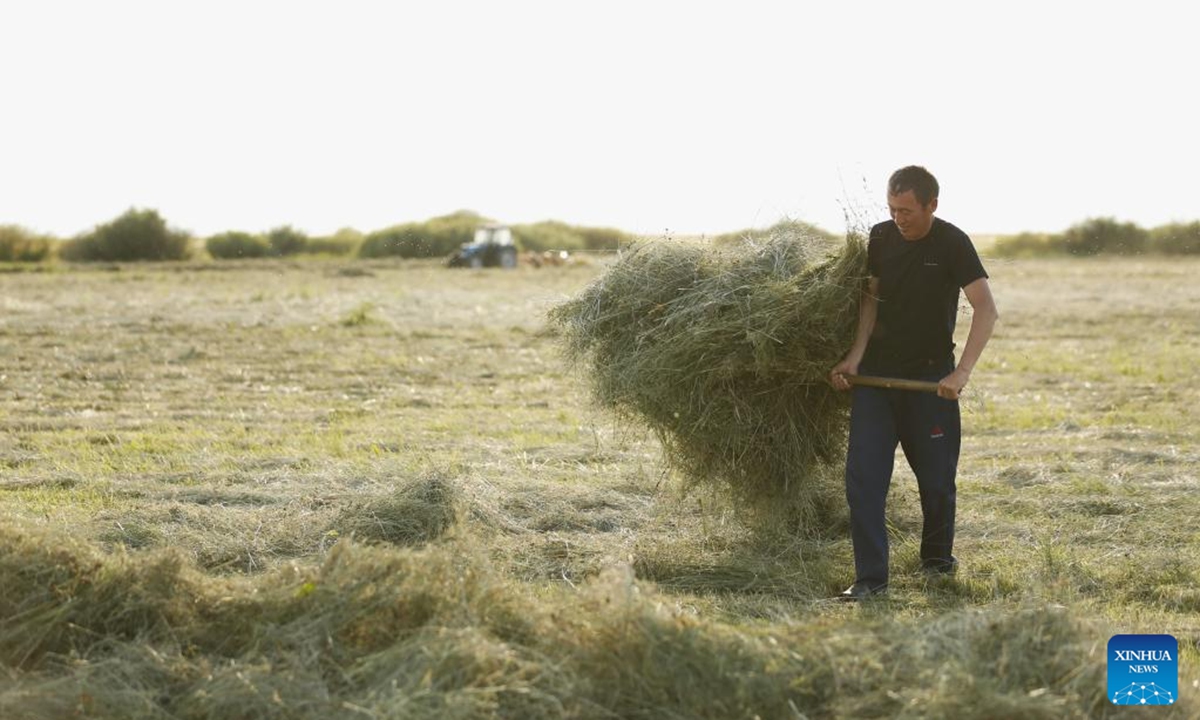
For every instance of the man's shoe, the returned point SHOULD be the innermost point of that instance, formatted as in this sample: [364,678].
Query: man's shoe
[940,568]
[861,591]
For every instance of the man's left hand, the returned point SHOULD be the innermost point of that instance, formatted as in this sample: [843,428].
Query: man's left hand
[951,386]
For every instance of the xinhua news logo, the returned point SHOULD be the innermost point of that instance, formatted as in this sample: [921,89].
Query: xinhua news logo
[1143,670]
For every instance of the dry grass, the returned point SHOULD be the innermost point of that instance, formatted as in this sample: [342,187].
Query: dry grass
[186,451]
[723,351]
[437,633]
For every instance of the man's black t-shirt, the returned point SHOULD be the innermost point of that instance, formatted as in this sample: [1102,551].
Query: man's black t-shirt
[919,282]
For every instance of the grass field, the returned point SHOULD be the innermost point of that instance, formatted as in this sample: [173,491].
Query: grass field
[372,489]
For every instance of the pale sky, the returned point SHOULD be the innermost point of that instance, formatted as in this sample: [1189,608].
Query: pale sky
[687,117]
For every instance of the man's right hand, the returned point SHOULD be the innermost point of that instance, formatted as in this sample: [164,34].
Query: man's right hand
[837,376]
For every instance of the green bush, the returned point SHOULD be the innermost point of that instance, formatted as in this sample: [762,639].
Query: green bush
[548,235]
[281,242]
[602,239]
[785,226]
[395,241]
[343,242]
[235,244]
[1176,239]
[20,245]
[286,240]
[1028,244]
[444,235]
[135,235]
[556,235]
[437,237]
[1103,236]
[1098,236]
[448,232]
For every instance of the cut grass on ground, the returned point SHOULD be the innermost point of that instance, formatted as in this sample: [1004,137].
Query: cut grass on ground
[185,450]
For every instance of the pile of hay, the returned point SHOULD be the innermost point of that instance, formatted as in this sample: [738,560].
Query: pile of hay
[724,352]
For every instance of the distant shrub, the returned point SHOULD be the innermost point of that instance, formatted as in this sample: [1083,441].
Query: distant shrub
[548,235]
[342,242]
[393,241]
[1176,239]
[437,237]
[444,235]
[230,245]
[1104,236]
[135,235]
[556,235]
[20,245]
[286,240]
[1028,244]
[785,226]
[281,242]
[600,238]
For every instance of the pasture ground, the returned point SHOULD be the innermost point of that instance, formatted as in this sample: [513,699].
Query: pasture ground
[221,481]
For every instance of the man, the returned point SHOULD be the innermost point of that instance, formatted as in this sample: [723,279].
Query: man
[917,264]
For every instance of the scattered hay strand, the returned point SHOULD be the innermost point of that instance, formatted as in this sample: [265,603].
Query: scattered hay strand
[724,352]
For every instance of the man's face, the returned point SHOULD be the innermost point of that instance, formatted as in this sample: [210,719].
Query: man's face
[913,218]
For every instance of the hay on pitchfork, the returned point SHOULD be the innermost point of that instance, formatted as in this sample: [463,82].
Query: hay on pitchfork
[724,352]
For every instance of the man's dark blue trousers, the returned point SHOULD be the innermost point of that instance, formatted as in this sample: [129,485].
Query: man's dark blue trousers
[929,430]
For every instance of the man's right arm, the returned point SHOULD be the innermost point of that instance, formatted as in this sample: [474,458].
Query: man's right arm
[868,307]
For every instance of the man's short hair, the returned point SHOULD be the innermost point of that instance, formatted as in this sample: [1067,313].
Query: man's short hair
[916,178]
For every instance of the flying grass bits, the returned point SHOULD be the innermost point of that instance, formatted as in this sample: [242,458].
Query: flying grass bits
[724,352]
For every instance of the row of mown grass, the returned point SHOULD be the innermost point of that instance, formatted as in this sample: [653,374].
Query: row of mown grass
[145,235]
[1103,236]
[377,631]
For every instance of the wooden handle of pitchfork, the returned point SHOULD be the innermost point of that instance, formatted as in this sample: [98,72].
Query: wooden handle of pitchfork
[892,383]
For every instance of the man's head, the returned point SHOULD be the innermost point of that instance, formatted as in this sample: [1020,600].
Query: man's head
[912,200]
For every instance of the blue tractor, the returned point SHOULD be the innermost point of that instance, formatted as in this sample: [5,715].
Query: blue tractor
[493,247]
